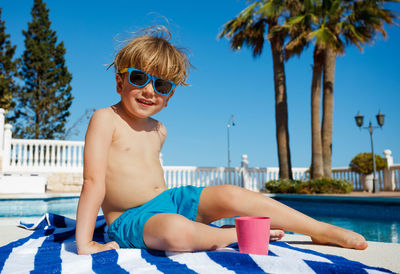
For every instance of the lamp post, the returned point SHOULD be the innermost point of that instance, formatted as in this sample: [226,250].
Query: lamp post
[230,124]
[380,118]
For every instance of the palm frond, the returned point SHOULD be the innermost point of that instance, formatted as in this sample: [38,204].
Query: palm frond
[271,9]
[249,27]
[295,20]
[365,20]
[296,45]
[324,37]
[244,19]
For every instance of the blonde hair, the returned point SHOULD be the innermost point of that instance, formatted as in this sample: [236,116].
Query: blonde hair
[153,53]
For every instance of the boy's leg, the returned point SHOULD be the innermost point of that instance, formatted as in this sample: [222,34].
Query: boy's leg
[173,232]
[226,201]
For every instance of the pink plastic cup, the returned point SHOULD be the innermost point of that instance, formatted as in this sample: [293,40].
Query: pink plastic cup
[253,234]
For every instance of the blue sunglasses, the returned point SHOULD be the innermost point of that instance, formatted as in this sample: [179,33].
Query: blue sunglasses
[140,79]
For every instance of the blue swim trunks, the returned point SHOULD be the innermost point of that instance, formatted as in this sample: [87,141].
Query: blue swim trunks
[127,229]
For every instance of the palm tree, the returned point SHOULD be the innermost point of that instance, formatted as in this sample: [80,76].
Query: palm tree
[249,28]
[333,24]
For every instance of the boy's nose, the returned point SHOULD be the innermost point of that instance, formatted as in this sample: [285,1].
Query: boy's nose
[148,89]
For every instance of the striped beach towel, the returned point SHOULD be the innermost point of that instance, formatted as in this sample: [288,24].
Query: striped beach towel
[52,249]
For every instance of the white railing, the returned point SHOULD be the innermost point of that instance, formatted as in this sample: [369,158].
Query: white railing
[250,178]
[38,156]
[257,177]
[44,156]
[198,176]
[346,174]
[396,175]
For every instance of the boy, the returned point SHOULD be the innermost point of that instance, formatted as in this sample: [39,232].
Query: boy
[123,174]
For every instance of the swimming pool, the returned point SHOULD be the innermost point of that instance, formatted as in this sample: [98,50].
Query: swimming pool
[37,206]
[378,219]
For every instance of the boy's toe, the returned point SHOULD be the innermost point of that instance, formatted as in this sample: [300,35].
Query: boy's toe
[276,235]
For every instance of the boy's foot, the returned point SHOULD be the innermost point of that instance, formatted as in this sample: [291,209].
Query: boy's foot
[340,236]
[276,235]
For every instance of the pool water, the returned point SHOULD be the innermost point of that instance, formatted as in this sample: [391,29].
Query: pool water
[372,230]
[376,218]
[382,225]
[32,207]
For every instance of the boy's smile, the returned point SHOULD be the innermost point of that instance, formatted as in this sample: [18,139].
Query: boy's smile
[144,102]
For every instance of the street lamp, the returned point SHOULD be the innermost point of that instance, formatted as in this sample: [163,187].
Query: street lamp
[380,118]
[230,124]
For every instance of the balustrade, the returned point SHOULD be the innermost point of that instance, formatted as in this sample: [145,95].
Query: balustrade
[198,176]
[27,156]
[46,156]
[396,176]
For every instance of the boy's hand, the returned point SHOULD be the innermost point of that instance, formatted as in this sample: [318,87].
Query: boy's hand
[94,247]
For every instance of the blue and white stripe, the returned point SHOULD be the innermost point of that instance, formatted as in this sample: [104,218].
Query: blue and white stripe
[52,249]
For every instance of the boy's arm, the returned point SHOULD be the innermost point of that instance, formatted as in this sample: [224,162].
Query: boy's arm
[97,142]
[163,133]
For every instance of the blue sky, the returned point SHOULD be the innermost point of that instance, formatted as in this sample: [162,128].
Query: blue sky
[223,83]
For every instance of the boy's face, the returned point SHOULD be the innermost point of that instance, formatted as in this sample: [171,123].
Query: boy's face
[141,102]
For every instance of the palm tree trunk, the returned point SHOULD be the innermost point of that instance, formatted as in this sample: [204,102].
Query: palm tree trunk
[327,116]
[281,109]
[316,154]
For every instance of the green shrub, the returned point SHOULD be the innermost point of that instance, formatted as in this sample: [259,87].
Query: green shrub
[325,185]
[362,163]
[282,186]
[315,186]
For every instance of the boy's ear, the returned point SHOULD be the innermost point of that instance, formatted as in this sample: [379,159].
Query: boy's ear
[119,81]
[169,97]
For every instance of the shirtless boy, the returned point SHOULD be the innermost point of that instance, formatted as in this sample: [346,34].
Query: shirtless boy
[123,174]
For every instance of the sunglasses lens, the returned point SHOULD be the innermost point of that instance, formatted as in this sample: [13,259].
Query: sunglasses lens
[162,86]
[138,78]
